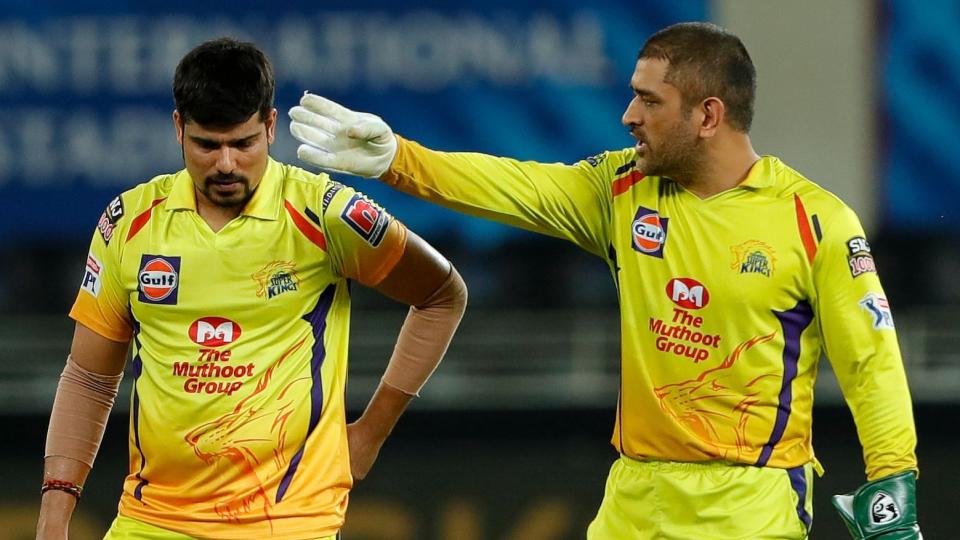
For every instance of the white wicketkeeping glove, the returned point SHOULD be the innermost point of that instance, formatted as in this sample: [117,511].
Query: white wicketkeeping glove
[340,140]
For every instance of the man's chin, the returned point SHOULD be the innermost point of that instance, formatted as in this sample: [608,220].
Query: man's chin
[644,166]
[235,200]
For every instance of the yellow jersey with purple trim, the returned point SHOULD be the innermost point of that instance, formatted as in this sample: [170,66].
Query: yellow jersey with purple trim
[727,303]
[239,348]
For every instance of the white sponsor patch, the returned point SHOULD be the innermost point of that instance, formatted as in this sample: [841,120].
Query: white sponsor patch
[91,276]
[878,308]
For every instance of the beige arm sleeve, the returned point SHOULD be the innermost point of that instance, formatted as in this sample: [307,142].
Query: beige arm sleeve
[80,413]
[425,335]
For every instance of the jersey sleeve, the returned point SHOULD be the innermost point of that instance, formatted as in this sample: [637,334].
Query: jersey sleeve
[861,344]
[364,240]
[572,202]
[101,304]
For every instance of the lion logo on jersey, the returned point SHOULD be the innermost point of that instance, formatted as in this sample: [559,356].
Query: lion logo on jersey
[256,428]
[706,405]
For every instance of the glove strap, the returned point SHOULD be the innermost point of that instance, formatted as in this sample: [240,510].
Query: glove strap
[884,508]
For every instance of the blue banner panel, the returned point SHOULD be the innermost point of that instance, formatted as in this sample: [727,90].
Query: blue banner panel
[85,88]
[920,65]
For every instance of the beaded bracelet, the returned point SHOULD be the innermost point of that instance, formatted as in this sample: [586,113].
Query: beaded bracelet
[60,485]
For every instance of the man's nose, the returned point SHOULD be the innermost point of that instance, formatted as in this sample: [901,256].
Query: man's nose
[632,115]
[226,161]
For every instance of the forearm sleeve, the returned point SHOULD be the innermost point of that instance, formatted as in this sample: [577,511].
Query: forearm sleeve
[425,335]
[80,412]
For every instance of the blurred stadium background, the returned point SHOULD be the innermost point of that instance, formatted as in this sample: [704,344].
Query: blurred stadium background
[509,440]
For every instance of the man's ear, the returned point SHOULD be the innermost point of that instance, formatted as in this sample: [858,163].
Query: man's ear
[714,112]
[271,124]
[178,125]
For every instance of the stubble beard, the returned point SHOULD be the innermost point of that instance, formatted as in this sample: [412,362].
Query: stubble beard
[678,156]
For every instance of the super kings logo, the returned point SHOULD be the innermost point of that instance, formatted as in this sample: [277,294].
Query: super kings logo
[753,257]
[366,218]
[276,278]
[214,331]
[159,279]
[649,232]
[687,293]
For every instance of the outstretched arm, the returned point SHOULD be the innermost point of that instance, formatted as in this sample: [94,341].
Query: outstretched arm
[85,395]
[437,297]
[572,202]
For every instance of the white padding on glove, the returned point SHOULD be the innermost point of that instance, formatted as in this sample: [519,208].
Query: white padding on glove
[340,140]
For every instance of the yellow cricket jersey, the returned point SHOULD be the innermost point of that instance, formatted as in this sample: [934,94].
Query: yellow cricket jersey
[239,346]
[726,303]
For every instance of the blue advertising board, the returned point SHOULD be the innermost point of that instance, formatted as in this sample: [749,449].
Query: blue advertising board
[85,88]
[920,80]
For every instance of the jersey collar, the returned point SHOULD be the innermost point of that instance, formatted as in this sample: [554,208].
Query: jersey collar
[762,173]
[265,203]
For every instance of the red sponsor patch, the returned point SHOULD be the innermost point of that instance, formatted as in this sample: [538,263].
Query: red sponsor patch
[366,218]
[687,293]
[214,331]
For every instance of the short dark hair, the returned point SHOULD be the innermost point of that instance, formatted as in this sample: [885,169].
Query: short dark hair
[222,82]
[706,60]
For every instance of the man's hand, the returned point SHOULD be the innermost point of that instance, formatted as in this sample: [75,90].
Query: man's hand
[885,509]
[340,140]
[364,449]
[365,437]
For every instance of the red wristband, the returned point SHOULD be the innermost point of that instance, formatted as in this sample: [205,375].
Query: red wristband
[61,485]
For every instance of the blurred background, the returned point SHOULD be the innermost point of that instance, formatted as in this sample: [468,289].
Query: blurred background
[509,440]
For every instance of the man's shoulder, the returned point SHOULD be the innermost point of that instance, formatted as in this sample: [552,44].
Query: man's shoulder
[145,194]
[304,188]
[128,205]
[791,183]
[302,184]
[611,163]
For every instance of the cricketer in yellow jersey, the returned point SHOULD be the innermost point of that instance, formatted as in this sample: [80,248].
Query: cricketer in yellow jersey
[734,273]
[229,282]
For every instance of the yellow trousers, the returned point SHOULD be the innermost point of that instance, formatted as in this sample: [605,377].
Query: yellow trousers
[124,528]
[663,500]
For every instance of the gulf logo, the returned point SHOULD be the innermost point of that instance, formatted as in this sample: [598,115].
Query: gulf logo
[688,293]
[214,331]
[649,232]
[158,279]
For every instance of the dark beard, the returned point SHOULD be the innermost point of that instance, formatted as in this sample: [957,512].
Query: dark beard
[234,199]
